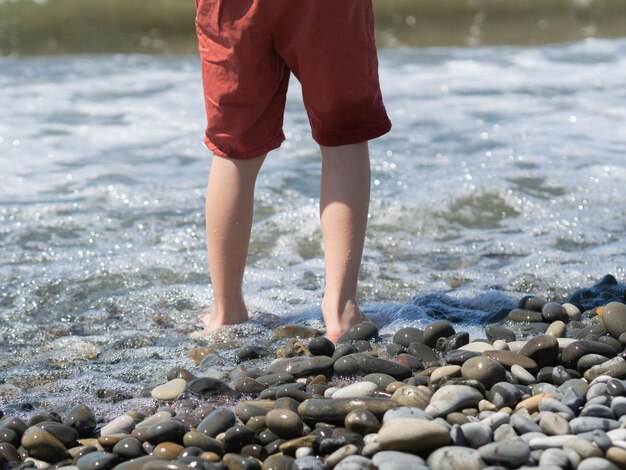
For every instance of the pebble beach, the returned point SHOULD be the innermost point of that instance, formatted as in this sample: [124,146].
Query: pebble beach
[544,388]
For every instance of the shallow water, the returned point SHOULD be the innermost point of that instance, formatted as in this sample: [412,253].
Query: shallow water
[504,174]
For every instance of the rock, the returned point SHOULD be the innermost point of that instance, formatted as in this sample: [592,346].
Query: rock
[398,460]
[355,390]
[362,422]
[97,461]
[453,457]
[366,364]
[524,316]
[541,349]
[596,463]
[506,453]
[296,331]
[552,424]
[168,451]
[615,368]
[554,457]
[532,404]
[406,412]
[553,311]
[204,442]
[308,463]
[278,462]
[81,418]
[617,456]
[285,423]
[504,394]
[250,352]
[334,411]
[216,422]
[459,356]
[137,464]
[364,330]
[556,329]
[413,435]
[209,387]
[522,375]
[477,346]
[381,380]
[483,369]
[321,346]
[453,398]
[236,437]
[496,332]
[302,366]
[436,330]
[248,386]
[588,423]
[476,434]
[408,335]
[121,424]
[129,448]
[578,349]
[509,358]
[63,433]
[423,352]
[42,445]
[170,390]
[614,318]
[171,430]
[445,372]
[409,395]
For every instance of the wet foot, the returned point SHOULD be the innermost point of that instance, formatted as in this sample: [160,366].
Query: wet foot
[337,323]
[213,319]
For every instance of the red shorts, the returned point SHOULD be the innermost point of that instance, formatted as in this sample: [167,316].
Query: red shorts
[248,49]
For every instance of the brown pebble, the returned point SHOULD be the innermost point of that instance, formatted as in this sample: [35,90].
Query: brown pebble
[532,404]
[210,457]
[393,386]
[457,418]
[617,455]
[197,355]
[168,450]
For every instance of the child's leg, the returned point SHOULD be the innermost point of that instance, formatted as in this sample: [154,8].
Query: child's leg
[229,207]
[344,203]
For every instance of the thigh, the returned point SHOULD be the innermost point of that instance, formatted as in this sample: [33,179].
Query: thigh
[330,46]
[244,80]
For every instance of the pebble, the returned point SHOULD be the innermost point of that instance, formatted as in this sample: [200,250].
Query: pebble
[511,358]
[614,318]
[362,421]
[334,411]
[483,369]
[436,330]
[42,445]
[408,335]
[453,457]
[506,453]
[216,422]
[296,331]
[81,418]
[413,435]
[121,424]
[452,398]
[356,390]
[285,423]
[361,331]
[542,349]
[302,366]
[169,390]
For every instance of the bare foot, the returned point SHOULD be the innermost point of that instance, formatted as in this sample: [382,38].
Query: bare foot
[338,322]
[215,319]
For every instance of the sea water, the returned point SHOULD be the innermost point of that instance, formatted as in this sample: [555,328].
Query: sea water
[504,174]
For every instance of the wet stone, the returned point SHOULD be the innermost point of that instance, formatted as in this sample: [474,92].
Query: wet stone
[572,353]
[361,331]
[436,330]
[334,411]
[362,422]
[296,331]
[9,436]
[553,311]
[248,386]
[172,430]
[278,462]
[81,418]
[97,461]
[321,346]
[509,358]
[209,387]
[216,422]
[285,423]
[42,445]
[499,332]
[483,369]
[541,349]
[413,396]
[531,302]
[302,366]
[423,352]
[124,423]
[129,448]
[170,390]
[459,357]
[523,315]
[408,335]
[614,318]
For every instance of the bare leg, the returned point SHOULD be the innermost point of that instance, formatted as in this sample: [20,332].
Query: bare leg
[229,209]
[344,203]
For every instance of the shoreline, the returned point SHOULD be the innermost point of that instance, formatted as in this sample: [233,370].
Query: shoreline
[544,388]
[163,27]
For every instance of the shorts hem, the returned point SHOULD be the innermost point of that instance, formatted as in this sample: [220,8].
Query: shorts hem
[335,139]
[247,155]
